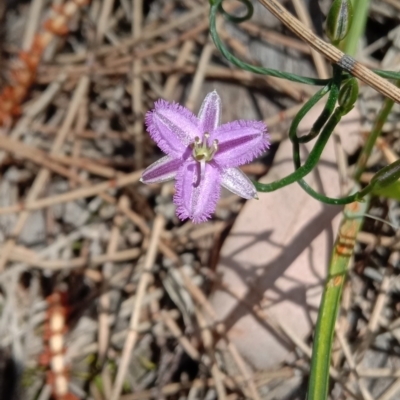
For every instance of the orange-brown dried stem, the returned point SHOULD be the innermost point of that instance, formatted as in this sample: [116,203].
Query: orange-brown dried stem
[24,73]
[53,356]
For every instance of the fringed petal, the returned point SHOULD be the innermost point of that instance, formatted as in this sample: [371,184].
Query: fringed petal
[196,197]
[240,142]
[238,183]
[210,112]
[172,127]
[162,170]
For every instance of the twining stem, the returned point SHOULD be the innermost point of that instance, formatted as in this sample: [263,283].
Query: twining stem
[321,120]
[319,123]
[216,6]
[312,159]
[333,89]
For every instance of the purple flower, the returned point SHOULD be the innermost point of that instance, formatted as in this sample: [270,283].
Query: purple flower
[202,155]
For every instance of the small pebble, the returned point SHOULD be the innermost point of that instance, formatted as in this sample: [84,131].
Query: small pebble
[107,211]
[134,238]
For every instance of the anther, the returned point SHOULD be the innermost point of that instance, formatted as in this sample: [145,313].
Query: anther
[214,148]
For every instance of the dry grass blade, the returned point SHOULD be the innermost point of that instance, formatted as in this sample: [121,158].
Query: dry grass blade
[44,174]
[132,337]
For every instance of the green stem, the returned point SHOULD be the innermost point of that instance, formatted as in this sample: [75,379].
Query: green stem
[350,43]
[316,152]
[324,331]
[344,247]
[330,200]
[308,105]
[353,218]
[312,159]
[333,89]
[327,111]
[372,137]
[352,221]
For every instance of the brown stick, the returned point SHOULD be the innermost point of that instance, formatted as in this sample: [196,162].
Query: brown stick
[18,255]
[333,54]
[43,175]
[80,193]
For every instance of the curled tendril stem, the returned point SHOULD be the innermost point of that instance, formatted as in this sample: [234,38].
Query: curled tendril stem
[235,19]
[216,6]
[333,89]
[312,159]
[326,122]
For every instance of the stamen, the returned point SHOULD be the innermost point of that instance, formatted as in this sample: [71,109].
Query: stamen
[195,147]
[214,148]
[202,152]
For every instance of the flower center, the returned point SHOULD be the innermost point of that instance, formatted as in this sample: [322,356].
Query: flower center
[201,151]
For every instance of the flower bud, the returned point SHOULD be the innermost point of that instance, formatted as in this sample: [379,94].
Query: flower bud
[386,176]
[339,20]
[348,95]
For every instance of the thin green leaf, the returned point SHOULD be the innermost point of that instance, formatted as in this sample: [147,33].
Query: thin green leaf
[390,192]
